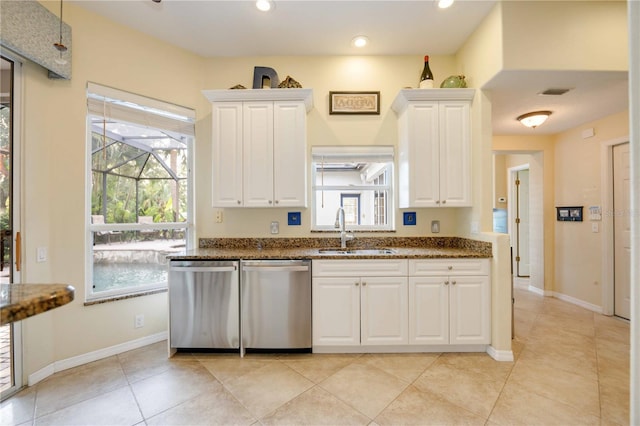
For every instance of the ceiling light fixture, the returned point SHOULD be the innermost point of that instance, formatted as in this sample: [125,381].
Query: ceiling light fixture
[443,4]
[264,5]
[59,46]
[534,119]
[360,41]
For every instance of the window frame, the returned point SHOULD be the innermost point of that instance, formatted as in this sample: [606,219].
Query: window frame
[149,106]
[382,154]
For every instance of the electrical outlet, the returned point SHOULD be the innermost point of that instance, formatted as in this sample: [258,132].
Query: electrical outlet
[275,227]
[139,321]
[218,216]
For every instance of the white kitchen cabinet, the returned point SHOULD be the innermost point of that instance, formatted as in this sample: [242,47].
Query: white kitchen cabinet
[359,307]
[259,147]
[434,148]
[450,301]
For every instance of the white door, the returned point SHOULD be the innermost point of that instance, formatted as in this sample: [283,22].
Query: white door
[469,310]
[257,152]
[227,154]
[428,311]
[622,231]
[289,154]
[336,311]
[383,310]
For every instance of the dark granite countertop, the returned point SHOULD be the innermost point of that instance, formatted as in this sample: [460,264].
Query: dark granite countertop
[20,301]
[312,248]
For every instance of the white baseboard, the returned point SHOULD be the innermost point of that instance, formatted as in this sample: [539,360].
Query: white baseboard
[75,361]
[538,291]
[581,303]
[499,355]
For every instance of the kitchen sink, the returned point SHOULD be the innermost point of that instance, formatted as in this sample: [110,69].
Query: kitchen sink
[352,251]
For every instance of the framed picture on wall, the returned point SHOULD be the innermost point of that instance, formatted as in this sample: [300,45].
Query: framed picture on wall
[569,214]
[354,103]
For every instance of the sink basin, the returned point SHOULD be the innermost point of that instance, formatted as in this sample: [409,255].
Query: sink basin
[340,251]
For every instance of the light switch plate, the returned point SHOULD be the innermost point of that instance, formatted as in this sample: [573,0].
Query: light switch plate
[275,227]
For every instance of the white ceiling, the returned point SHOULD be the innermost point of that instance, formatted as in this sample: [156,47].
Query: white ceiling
[394,27]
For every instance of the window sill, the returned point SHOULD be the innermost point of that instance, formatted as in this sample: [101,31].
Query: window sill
[123,297]
[355,231]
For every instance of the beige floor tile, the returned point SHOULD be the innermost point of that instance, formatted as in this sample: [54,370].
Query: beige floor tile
[315,407]
[365,388]
[584,363]
[230,367]
[318,367]
[78,384]
[185,380]
[407,367]
[559,336]
[556,384]
[19,408]
[217,407]
[148,361]
[477,362]
[265,389]
[117,407]
[517,406]
[415,407]
[581,326]
[473,390]
[568,310]
[614,403]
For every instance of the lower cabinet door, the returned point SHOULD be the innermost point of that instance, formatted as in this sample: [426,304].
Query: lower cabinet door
[428,310]
[336,311]
[384,307]
[470,316]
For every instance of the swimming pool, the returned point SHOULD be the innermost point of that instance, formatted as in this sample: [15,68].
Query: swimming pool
[111,276]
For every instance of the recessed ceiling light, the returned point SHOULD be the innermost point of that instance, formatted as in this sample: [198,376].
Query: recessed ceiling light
[443,4]
[264,5]
[359,41]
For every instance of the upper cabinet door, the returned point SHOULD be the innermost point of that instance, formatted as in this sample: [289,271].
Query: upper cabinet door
[258,154]
[455,154]
[226,153]
[289,154]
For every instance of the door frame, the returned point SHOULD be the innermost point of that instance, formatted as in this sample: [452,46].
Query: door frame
[511,208]
[606,159]
[16,200]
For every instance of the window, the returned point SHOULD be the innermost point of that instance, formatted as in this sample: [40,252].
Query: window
[139,190]
[359,179]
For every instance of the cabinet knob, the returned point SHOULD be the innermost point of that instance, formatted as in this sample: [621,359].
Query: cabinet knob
[450,267]
[444,202]
[357,284]
[277,201]
[363,284]
[270,202]
[446,283]
[453,282]
[239,202]
[437,201]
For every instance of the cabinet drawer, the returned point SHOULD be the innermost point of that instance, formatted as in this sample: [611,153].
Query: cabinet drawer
[360,268]
[418,267]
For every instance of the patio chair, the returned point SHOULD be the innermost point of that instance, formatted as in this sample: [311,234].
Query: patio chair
[98,219]
[146,232]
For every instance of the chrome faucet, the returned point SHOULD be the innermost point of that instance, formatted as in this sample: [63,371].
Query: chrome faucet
[340,224]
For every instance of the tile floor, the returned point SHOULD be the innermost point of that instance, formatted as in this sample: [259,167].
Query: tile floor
[572,367]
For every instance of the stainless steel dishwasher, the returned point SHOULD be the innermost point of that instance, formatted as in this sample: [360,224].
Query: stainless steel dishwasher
[275,305]
[204,311]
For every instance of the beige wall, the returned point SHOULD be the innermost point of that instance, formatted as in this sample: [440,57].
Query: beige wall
[579,252]
[565,35]
[54,140]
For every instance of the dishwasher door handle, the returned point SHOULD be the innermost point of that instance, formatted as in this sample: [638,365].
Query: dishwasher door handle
[203,268]
[267,268]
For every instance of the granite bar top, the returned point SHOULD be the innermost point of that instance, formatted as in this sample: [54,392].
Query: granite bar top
[312,248]
[20,301]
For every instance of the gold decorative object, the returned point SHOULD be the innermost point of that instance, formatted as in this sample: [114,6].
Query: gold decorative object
[289,83]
